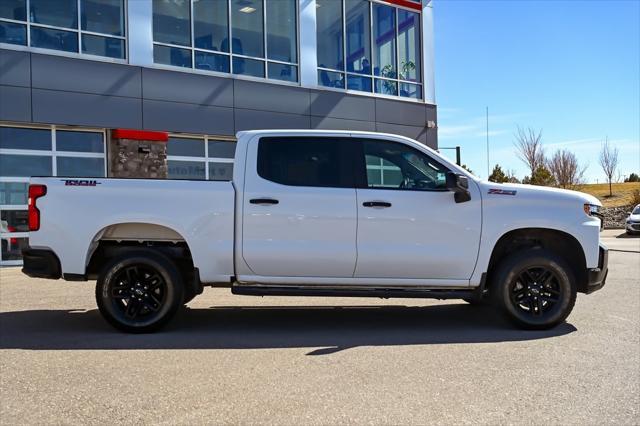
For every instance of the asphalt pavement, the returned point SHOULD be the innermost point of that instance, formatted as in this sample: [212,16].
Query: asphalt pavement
[284,360]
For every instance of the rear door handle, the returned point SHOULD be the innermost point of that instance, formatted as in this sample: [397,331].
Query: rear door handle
[379,204]
[264,201]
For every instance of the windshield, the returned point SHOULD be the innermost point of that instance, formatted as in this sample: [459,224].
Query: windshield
[636,210]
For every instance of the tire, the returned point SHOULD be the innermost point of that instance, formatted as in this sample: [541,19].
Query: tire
[139,291]
[535,288]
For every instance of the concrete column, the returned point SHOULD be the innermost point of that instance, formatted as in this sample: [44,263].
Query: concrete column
[308,45]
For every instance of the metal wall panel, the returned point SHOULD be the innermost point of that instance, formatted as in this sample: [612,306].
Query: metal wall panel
[340,124]
[79,75]
[187,118]
[83,109]
[15,103]
[247,119]
[191,88]
[15,68]
[271,97]
[413,132]
[341,105]
[398,112]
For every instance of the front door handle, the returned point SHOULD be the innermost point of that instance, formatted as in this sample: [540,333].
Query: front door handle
[263,201]
[378,204]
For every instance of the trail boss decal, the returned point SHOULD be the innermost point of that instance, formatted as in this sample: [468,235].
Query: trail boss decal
[80,182]
[497,191]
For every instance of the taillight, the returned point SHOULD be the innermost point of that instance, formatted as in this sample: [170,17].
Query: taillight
[35,192]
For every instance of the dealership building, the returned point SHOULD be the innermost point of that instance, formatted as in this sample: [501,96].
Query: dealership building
[159,88]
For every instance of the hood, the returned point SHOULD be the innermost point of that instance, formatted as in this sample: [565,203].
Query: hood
[634,217]
[535,191]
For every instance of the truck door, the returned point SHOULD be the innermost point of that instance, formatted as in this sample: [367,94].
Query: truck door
[299,207]
[409,225]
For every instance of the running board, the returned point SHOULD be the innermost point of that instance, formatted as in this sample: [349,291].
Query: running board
[383,293]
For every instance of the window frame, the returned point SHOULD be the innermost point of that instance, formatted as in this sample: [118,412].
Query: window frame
[230,55]
[361,166]
[53,154]
[398,82]
[78,31]
[206,160]
[347,149]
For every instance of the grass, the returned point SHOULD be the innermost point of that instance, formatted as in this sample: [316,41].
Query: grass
[622,193]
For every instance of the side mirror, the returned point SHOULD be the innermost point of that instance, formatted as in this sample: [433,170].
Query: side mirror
[459,185]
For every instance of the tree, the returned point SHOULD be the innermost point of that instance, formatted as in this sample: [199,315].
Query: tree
[565,169]
[464,166]
[609,162]
[541,176]
[497,175]
[511,177]
[633,177]
[529,149]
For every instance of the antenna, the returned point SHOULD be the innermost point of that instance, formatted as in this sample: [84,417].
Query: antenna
[488,165]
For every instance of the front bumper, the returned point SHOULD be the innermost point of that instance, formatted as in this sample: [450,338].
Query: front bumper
[39,263]
[598,276]
[632,227]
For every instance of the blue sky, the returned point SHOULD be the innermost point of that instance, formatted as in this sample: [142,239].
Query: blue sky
[570,68]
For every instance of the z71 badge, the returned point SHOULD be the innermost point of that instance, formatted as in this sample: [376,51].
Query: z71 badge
[80,182]
[502,191]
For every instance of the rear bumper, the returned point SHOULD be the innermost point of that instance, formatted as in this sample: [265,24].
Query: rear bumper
[598,276]
[38,263]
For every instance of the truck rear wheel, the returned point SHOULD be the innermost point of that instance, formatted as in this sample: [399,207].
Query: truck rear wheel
[139,291]
[535,288]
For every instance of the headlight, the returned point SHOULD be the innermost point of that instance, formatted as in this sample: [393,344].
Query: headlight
[592,210]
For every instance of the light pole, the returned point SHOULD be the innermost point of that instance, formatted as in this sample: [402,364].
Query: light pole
[457,148]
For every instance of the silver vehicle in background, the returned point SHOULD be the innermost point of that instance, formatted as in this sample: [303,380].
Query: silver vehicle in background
[632,225]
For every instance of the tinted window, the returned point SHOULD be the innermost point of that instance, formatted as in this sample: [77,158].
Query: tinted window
[299,161]
[79,141]
[19,138]
[392,165]
[186,147]
[281,30]
[103,16]
[329,34]
[172,22]
[59,13]
[80,167]
[248,35]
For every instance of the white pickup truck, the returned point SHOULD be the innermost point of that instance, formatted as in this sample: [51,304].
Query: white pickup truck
[318,213]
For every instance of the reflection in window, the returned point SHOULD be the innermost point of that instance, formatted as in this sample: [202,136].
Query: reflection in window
[53,24]
[79,141]
[193,170]
[369,39]
[229,36]
[25,138]
[80,167]
[25,165]
[220,171]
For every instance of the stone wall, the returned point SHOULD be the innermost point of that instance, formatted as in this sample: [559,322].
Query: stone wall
[614,217]
[130,158]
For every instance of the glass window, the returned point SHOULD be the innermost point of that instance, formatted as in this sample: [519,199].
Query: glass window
[13,33]
[387,87]
[185,147]
[194,170]
[357,39]
[14,9]
[329,35]
[79,141]
[103,46]
[408,90]
[80,167]
[250,67]
[210,25]
[281,31]
[384,41]
[57,13]
[283,72]
[394,165]
[103,16]
[24,138]
[331,79]
[12,248]
[358,82]
[247,28]
[15,220]
[13,193]
[25,165]
[211,62]
[48,38]
[172,22]
[409,45]
[172,56]
[300,161]
[221,149]
[220,171]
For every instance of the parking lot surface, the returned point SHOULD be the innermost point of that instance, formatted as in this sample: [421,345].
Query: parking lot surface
[236,359]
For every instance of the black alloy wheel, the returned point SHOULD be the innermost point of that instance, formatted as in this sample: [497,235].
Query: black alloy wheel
[535,287]
[139,291]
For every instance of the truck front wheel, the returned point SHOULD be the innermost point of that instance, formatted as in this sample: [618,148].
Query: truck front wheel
[535,288]
[139,291]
